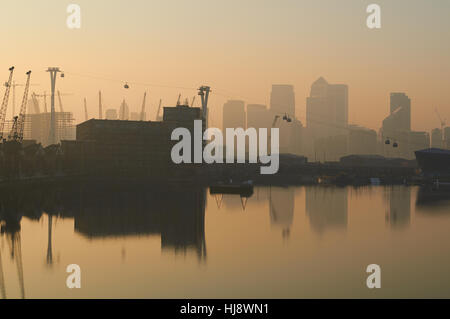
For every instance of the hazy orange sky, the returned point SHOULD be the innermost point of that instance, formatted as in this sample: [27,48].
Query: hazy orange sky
[239,48]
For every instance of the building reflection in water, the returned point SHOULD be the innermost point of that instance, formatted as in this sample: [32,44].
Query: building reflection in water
[177,215]
[433,201]
[398,213]
[281,208]
[326,207]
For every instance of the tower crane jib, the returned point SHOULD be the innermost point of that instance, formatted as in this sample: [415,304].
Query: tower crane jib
[5,102]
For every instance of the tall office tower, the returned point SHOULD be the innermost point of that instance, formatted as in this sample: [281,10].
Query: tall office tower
[258,116]
[447,137]
[436,138]
[397,127]
[338,96]
[124,111]
[400,104]
[282,100]
[233,114]
[327,109]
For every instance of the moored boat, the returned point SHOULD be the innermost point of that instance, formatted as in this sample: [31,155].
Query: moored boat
[244,189]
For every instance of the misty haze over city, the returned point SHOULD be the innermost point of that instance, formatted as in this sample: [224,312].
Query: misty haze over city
[224,149]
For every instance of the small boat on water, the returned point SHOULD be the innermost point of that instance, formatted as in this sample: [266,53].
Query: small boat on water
[244,189]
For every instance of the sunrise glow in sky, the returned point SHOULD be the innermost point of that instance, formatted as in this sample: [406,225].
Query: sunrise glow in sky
[238,47]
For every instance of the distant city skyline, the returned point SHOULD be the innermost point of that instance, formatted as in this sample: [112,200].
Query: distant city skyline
[245,47]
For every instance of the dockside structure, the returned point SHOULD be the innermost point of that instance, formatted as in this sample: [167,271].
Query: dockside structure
[130,149]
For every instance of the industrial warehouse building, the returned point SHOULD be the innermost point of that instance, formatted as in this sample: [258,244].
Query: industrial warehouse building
[129,148]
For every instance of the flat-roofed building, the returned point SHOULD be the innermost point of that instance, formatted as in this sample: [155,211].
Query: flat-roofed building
[130,148]
[361,140]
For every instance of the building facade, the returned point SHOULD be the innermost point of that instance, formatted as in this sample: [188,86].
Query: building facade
[282,99]
[327,109]
[233,114]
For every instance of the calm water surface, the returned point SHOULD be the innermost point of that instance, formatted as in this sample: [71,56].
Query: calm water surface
[298,242]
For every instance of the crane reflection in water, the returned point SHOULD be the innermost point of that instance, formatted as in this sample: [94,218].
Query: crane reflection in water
[105,212]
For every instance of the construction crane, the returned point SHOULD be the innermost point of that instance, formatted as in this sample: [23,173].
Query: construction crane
[44,96]
[85,110]
[59,99]
[37,110]
[275,119]
[15,244]
[286,118]
[143,107]
[5,102]
[100,111]
[16,133]
[193,100]
[13,85]
[443,123]
[158,117]
[2,280]
[60,102]
[179,98]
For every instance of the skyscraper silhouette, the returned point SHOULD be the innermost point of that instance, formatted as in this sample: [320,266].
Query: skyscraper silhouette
[282,99]
[282,102]
[258,116]
[234,114]
[327,109]
[400,112]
